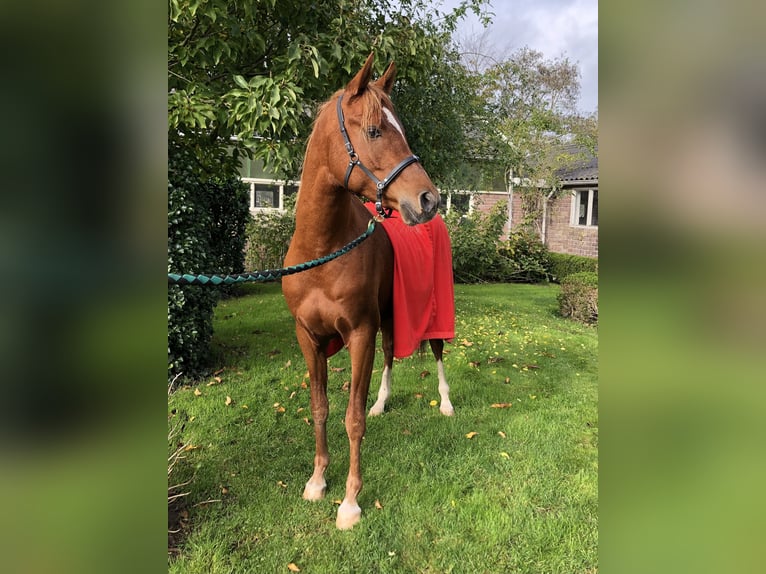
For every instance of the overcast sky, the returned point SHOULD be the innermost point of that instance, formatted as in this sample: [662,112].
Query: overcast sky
[553,27]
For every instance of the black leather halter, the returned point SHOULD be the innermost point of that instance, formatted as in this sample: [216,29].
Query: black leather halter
[354,161]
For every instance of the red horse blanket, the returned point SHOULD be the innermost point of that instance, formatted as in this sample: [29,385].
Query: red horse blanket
[424,296]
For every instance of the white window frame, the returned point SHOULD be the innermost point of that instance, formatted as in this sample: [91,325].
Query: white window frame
[574,217]
[281,183]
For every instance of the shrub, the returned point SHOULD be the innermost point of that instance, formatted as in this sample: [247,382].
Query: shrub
[268,237]
[527,260]
[579,297]
[563,264]
[206,221]
[475,239]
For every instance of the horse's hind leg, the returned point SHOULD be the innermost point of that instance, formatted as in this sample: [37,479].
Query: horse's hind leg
[387,332]
[437,347]
[317,367]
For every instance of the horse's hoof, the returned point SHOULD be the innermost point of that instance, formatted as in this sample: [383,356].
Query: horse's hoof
[314,491]
[447,410]
[348,515]
[376,410]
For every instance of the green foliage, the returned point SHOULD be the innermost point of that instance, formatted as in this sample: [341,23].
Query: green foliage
[206,224]
[475,242]
[268,237]
[527,259]
[579,297]
[479,255]
[563,264]
[256,70]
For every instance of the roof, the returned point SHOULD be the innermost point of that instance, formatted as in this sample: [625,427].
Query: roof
[584,171]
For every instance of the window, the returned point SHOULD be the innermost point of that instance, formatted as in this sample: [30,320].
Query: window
[268,194]
[585,208]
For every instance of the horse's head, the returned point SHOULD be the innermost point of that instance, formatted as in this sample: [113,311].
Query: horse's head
[370,153]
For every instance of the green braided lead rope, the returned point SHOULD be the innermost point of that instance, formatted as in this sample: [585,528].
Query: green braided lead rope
[268,274]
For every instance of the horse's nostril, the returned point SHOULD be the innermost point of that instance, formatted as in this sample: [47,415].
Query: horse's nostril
[429,201]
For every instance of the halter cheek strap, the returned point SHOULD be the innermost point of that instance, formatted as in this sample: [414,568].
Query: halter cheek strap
[354,161]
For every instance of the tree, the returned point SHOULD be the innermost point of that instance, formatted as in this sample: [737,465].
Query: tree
[529,127]
[255,69]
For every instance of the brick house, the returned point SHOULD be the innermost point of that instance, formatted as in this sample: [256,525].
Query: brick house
[569,220]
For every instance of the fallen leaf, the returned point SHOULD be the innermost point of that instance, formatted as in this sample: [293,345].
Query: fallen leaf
[475,364]
[292,394]
[466,343]
[337,502]
[300,409]
[531,367]
[306,420]
[471,434]
[378,505]
[501,405]
[197,392]
[293,568]
[288,364]
[507,380]
[407,432]
[304,385]
[219,371]
[273,353]
[424,374]
[433,403]
[418,395]
[501,433]
[228,400]
[495,360]
[346,386]
[505,455]
[224,490]
[282,484]
[337,369]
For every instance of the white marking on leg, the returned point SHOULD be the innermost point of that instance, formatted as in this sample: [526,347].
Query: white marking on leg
[392,120]
[446,406]
[383,393]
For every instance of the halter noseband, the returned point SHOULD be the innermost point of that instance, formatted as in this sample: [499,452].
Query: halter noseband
[354,161]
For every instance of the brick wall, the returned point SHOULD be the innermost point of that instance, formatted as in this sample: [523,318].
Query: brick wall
[562,237]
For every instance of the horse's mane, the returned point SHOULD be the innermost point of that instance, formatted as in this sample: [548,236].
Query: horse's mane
[372,100]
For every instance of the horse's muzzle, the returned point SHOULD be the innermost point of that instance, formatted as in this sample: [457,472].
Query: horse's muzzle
[429,205]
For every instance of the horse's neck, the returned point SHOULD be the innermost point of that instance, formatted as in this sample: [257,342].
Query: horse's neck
[324,216]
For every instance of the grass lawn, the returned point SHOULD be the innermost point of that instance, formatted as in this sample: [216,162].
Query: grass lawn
[520,495]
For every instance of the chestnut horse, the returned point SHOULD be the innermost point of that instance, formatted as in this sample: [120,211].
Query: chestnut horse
[356,135]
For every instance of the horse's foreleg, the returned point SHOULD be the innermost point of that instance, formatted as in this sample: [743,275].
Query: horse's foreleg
[316,361]
[362,351]
[437,347]
[387,332]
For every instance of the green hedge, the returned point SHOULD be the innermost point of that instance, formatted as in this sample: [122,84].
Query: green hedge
[207,214]
[563,264]
[579,297]
[268,237]
[478,254]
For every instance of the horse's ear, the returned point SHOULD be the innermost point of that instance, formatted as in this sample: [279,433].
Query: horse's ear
[359,84]
[386,81]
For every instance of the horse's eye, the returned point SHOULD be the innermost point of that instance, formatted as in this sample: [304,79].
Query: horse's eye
[373,132]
